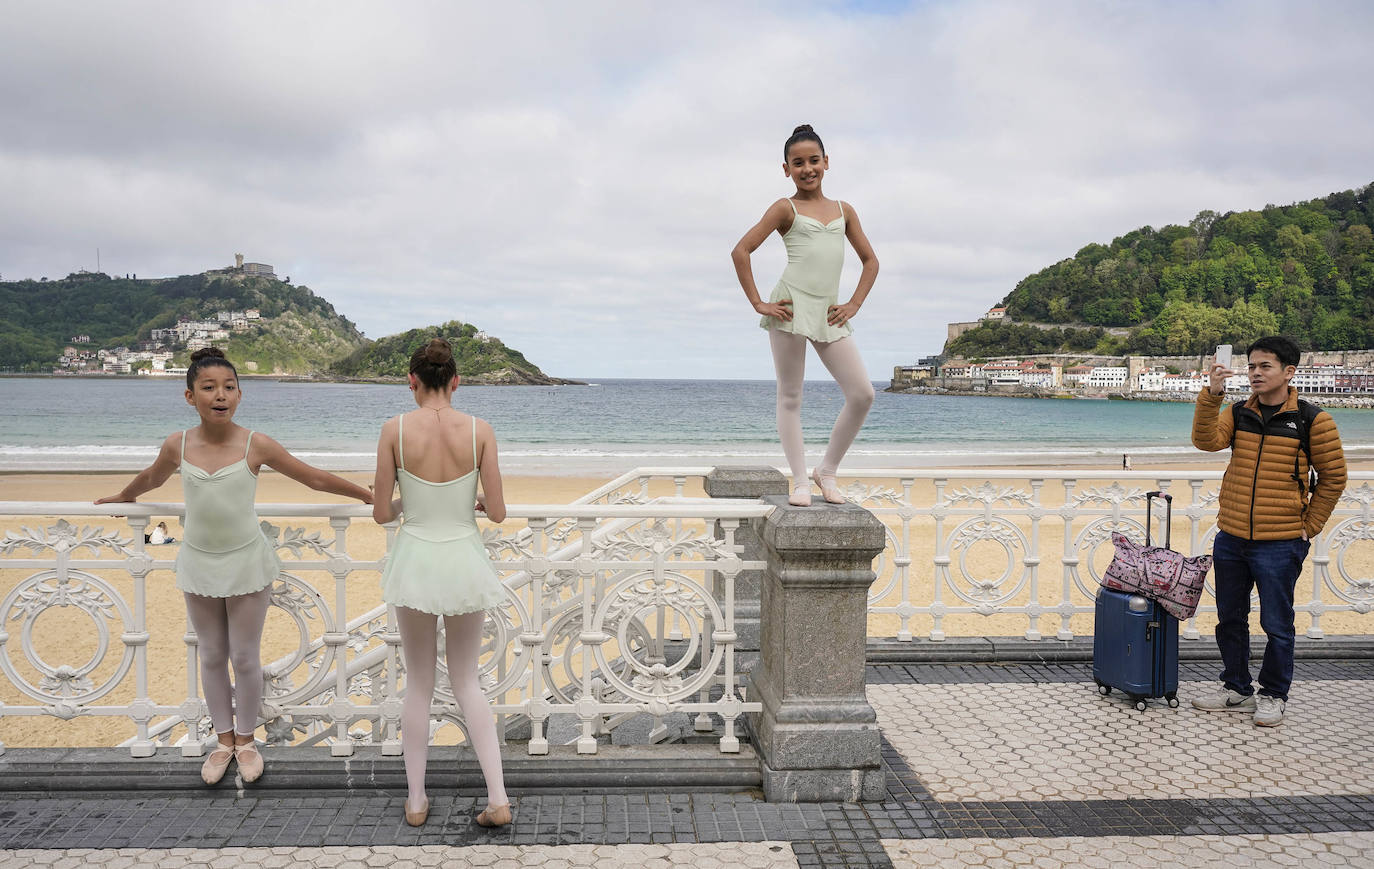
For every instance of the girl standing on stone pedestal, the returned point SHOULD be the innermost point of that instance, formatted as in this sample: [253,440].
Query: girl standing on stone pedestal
[804,306]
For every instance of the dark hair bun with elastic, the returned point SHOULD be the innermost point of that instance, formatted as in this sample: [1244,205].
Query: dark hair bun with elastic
[438,351]
[433,363]
[803,133]
[207,357]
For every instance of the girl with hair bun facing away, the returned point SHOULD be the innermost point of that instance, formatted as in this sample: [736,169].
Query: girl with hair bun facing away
[804,306]
[226,566]
[438,566]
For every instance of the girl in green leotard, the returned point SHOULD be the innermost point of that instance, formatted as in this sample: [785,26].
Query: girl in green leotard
[225,567]
[438,567]
[804,306]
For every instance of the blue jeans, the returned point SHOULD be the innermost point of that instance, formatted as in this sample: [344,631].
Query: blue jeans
[1272,566]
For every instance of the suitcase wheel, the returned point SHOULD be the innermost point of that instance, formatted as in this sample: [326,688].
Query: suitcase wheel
[1103,688]
[1173,700]
[1140,704]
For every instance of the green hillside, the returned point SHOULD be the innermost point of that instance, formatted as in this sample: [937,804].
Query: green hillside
[1306,270]
[480,359]
[299,333]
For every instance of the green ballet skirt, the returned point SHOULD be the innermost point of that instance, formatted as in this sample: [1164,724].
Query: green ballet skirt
[438,563]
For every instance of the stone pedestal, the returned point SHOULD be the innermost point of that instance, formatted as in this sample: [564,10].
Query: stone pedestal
[749,483]
[817,737]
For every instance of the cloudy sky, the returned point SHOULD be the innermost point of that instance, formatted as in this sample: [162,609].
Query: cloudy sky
[572,176]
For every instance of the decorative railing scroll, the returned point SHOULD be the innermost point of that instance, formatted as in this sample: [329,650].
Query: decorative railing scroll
[1013,511]
[610,614]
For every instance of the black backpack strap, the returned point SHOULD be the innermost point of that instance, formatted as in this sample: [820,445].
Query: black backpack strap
[1307,414]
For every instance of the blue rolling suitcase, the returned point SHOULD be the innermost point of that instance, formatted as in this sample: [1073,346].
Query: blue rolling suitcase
[1135,642]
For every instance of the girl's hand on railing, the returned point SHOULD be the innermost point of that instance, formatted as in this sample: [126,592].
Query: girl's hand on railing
[120,498]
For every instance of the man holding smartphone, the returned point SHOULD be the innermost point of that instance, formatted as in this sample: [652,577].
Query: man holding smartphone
[1267,516]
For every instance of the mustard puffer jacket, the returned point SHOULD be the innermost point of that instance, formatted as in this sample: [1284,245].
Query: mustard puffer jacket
[1260,500]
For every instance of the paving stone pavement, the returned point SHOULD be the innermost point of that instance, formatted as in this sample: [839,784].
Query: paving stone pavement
[1108,852]
[749,855]
[987,765]
[1062,741]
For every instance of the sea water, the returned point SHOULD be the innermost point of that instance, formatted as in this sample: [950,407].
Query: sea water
[610,426]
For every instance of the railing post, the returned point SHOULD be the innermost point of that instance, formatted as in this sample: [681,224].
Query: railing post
[817,737]
[749,483]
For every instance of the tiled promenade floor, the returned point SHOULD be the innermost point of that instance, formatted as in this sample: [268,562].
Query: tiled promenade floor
[988,765]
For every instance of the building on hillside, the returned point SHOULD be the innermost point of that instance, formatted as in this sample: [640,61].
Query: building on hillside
[1354,380]
[1003,372]
[995,314]
[1042,376]
[1077,375]
[1315,379]
[911,375]
[1151,379]
[961,368]
[1107,377]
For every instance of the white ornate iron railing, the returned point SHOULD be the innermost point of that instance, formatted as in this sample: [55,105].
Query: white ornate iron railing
[617,607]
[620,604]
[937,517]
[1038,517]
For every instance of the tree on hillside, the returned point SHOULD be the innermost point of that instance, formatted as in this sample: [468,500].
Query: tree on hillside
[1305,269]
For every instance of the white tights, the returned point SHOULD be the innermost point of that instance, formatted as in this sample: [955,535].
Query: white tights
[463,643]
[841,358]
[229,630]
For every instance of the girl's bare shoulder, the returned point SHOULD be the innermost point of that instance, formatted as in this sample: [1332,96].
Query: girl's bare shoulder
[171,445]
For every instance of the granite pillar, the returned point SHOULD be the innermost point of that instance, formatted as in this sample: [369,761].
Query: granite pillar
[748,483]
[817,737]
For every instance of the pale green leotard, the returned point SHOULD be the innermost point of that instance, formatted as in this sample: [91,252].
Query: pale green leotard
[223,551]
[438,563]
[815,255]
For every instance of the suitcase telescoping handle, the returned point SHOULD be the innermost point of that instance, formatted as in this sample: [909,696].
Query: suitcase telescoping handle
[1168,515]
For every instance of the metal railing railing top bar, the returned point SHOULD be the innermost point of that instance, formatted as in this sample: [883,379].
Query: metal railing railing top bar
[674,508]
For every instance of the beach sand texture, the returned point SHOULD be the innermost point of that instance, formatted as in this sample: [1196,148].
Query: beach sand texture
[67,635]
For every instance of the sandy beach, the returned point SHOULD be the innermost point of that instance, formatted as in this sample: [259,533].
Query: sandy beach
[66,635]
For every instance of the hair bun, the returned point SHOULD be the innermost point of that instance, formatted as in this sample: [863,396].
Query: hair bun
[207,353]
[804,128]
[438,352]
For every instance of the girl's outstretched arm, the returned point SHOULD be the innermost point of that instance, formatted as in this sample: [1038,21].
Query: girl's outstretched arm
[168,458]
[383,508]
[274,455]
[854,231]
[778,218]
[492,501]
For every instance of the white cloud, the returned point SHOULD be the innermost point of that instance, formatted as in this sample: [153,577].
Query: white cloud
[571,177]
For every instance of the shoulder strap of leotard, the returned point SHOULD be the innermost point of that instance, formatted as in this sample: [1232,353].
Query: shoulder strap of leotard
[473,420]
[794,206]
[183,445]
[248,446]
[400,439]
[841,202]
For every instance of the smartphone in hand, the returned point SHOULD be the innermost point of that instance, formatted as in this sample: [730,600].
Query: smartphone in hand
[1223,355]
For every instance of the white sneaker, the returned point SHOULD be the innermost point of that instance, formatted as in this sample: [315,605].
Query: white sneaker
[1269,711]
[1225,700]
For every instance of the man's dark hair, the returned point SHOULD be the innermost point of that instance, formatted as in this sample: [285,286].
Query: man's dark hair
[1282,347]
